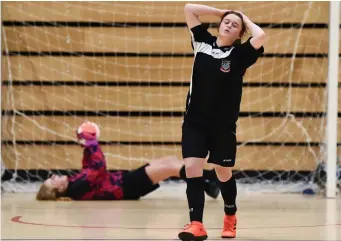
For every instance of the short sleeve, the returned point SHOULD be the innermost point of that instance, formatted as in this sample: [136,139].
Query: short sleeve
[248,55]
[200,36]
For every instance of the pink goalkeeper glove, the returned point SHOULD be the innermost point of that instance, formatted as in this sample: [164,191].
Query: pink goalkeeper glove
[88,134]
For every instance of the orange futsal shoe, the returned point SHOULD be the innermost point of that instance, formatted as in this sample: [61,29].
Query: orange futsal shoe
[193,231]
[230,227]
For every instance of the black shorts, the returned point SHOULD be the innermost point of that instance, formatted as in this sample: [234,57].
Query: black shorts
[137,184]
[218,141]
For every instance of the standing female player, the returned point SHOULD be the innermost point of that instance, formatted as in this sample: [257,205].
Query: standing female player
[212,109]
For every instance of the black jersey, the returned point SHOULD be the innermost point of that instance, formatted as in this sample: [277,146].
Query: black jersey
[217,77]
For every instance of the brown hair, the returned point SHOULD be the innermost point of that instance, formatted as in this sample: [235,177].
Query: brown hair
[243,31]
[46,193]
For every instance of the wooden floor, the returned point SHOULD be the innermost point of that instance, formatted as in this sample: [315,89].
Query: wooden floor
[160,217]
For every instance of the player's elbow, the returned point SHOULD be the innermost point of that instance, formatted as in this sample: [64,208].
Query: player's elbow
[260,38]
[262,35]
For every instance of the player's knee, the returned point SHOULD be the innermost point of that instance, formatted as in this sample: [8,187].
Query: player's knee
[223,173]
[194,167]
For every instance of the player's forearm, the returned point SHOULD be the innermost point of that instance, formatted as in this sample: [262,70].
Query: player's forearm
[255,30]
[258,35]
[200,10]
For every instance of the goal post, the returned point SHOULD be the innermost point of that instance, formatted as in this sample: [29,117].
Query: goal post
[332,92]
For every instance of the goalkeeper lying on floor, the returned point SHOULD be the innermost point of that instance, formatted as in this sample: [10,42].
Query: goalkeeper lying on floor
[95,182]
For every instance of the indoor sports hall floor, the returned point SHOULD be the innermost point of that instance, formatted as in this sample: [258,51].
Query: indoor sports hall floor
[160,215]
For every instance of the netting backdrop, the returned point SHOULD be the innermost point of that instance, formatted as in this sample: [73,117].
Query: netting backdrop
[127,67]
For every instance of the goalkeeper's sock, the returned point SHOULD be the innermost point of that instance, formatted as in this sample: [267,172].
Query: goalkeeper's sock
[211,185]
[210,175]
[183,173]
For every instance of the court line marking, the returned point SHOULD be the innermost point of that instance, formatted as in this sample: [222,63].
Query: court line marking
[17,219]
[140,239]
[145,239]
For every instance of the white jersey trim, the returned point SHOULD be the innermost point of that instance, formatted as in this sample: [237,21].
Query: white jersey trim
[208,49]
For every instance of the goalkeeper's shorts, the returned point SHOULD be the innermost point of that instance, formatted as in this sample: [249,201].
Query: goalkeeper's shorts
[137,184]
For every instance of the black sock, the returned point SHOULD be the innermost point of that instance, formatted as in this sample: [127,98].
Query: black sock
[229,194]
[183,173]
[210,175]
[196,198]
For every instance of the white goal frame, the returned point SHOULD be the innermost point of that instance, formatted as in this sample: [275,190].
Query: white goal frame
[332,92]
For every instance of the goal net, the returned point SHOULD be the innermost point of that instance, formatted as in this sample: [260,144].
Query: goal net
[127,67]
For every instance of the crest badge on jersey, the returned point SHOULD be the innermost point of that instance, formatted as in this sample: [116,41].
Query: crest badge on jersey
[225,65]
